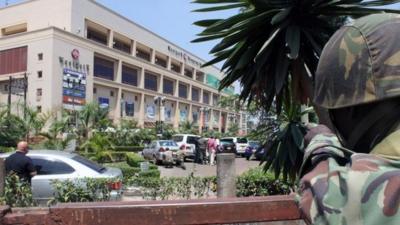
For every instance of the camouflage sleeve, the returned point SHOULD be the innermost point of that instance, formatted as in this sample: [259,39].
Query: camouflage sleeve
[339,188]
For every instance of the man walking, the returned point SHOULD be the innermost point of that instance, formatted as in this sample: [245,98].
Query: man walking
[211,146]
[20,164]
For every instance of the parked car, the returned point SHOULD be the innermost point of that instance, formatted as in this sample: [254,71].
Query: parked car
[54,165]
[187,142]
[156,150]
[240,143]
[251,149]
[227,146]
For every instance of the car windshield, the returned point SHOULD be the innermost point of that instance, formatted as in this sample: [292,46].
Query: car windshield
[92,165]
[226,140]
[242,140]
[168,143]
[254,143]
[177,138]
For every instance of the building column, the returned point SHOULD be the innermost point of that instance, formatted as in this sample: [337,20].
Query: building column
[177,115]
[141,111]
[133,48]
[201,95]
[141,78]
[153,56]
[117,112]
[118,72]
[194,74]
[176,89]
[168,63]
[201,120]
[161,84]
[110,38]
[182,69]
[220,122]
[190,113]
[211,119]
[190,92]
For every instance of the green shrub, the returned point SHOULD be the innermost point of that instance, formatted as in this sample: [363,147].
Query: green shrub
[256,182]
[129,148]
[17,193]
[150,173]
[153,167]
[82,190]
[134,159]
[127,171]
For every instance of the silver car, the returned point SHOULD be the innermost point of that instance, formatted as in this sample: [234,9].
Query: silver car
[157,149]
[57,165]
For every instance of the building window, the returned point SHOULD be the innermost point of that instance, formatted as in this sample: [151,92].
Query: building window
[122,46]
[195,94]
[168,87]
[150,82]
[215,100]
[142,54]
[40,56]
[161,62]
[103,68]
[40,74]
[183,91]
[112,93]
[129,76]
[13,60]
[39,92]
[206,98]
[189,73]
[39,108]
[130,109]
[94,90]
[96,36]
[122,95]
[175,68]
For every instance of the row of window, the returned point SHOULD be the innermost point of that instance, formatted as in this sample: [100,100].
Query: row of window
[104,68]
[100,34]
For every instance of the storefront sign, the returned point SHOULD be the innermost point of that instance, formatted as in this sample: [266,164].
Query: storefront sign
[185,57]
[74,88]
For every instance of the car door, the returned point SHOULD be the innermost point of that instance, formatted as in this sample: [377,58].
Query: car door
[48,170]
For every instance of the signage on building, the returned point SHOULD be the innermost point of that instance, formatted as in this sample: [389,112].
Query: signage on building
[104,102]
[167,114]
[214,82]
[75,54]
[74,89]
[151,112]
[185,57]
[182,115]
[130,109]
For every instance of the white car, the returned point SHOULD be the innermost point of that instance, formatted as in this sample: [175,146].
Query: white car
[187,142]
[54,165]
[241,143]
[157,149]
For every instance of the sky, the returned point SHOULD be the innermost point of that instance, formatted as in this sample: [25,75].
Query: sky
[171,19]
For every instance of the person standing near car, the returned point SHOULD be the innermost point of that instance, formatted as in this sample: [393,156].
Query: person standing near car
[20,164]
[211,145]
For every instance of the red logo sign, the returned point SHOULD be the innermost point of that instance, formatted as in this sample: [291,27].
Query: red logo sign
[75,54]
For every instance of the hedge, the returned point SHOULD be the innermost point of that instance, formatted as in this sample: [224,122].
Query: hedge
[150,173]
[134,159]
[128,148]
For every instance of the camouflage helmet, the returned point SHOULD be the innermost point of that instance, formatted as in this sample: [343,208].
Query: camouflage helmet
[360,63]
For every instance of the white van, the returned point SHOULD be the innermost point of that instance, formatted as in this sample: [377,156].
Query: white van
[186,142]
[241,143]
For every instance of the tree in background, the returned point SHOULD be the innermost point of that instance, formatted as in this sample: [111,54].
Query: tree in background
[272,48]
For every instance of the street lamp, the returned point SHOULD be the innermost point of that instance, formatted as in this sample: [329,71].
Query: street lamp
[160,101]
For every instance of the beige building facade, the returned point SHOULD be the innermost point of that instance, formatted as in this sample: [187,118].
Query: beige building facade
[78,51]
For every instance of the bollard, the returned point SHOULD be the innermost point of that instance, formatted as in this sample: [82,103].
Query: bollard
[226,175]
[2,176]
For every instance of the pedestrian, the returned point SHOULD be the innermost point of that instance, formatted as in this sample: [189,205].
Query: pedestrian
[211,146]
[353,177]
[20,164]
[197,153]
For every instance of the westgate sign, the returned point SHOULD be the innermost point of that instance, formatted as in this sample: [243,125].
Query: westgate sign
[184,56]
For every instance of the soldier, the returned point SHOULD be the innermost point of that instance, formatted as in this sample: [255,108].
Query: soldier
[353,177]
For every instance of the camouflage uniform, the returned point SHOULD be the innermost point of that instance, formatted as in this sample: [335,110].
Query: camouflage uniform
[360,64]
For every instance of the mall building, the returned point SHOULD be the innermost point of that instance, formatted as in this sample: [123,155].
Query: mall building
[77,51]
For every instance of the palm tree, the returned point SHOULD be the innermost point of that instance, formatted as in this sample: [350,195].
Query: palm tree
[34,121]
[271,46]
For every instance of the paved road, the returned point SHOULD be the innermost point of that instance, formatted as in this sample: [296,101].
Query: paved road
[242,165]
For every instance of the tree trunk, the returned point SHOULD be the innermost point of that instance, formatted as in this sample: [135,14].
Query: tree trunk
[303,91]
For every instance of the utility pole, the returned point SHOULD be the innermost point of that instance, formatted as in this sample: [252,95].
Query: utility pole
[9,95]
[25,86]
